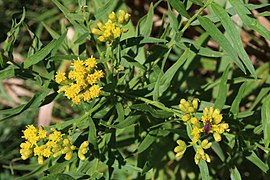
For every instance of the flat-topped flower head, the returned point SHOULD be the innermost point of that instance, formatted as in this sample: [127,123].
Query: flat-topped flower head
[82,81]
[212,120]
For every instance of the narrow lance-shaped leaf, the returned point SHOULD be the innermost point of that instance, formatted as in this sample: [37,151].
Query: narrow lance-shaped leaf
[166,79]
[204,170]
[172,19]
[235,175]
[258,162]
[41,54]
[7,73]
[180,7]
[247,18]
[236,103]
[222,91]
[145,25]
[147,141]
[265,114]
[215,33]
[233,35]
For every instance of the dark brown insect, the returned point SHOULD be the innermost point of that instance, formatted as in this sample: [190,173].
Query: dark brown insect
[206,127]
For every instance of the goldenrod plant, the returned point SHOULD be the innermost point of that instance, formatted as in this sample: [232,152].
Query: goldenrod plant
[107,89]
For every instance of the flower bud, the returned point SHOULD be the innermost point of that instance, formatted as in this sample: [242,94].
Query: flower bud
[217,137]
[195,104]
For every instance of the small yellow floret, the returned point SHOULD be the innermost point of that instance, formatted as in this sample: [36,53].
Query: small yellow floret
[60,77]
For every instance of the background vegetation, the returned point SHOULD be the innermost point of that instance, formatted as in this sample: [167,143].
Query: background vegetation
[216,51]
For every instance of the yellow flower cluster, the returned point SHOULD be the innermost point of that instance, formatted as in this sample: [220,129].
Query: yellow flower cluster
[189,109]
[200,154]
[209,122]
[81,83]
[83,150]
[213,117]
[112,29]
[45,144]
[180,149]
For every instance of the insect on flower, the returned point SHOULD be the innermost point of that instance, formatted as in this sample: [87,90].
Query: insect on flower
[206,127]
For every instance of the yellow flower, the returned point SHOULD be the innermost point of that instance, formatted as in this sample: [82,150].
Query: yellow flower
[188,107]
[82,81]
[26,150]
[56,136]
[83,150]
[112,17]
[91,63]
[68,149]
[196,131]
[186,117]
[40,160]
[206,144]
[213,118]
[33,134]
[112,29]
[60,77]
[96,31]
[200,154]
[95,91]
[180,149]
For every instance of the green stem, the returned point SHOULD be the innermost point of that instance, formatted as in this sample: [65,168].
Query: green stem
[195,16]
[101,102]
[261,147]
[159,105]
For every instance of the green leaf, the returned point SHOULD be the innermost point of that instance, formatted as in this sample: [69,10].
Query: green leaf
[7,73]
[264,91]
[263,14]
[41,54]
[204,170]
[197,2]
[218,150]
[58,177]
[172,19]
[79,27]
[166,79]
[146,23]
[130,120]
[34,102]
[258,162]
[235,175]
[140,40]
[120,112]
[222,90]
[180,7]
[92,136]
[148,141]
[156,92]
[234,35]
[105,10]
[265,114]
[256,6]
[247,18]
[155,113]
[39,170]
[215,33]
[236,103]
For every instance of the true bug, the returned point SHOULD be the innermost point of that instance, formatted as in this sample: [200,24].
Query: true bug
[206,127]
